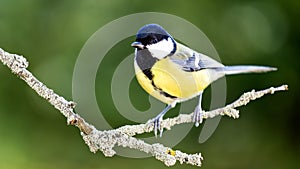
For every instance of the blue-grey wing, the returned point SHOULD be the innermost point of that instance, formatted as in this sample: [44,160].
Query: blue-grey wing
[193,61]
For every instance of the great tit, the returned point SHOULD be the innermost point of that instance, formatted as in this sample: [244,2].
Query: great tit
[173,73]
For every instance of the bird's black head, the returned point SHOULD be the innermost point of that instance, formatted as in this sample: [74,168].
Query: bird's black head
[154,37]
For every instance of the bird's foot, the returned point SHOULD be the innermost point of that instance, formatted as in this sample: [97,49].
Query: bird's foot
[157,125]
[197,118]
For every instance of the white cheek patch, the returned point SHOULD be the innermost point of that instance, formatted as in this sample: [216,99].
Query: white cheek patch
[161,48]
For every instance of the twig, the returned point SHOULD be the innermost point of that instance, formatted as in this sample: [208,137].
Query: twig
[105,141]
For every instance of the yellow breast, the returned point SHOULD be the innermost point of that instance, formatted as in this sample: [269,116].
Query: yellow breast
[171,79]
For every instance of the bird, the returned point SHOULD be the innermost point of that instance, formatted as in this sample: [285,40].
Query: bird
[173,73]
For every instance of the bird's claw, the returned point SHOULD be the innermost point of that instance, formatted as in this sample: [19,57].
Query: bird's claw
[197,117]
[157,126]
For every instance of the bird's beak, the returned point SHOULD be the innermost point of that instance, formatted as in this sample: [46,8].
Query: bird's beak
[137,45]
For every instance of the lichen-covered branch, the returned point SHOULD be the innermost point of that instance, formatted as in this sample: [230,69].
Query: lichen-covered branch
[105,141]
[228,110]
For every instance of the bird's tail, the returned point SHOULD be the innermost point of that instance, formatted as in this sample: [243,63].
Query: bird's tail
[231,70]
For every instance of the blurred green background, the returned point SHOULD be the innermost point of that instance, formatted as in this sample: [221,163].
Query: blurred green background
[51,34]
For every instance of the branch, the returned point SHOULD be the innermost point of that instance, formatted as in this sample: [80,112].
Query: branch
[228,110]
[105,141]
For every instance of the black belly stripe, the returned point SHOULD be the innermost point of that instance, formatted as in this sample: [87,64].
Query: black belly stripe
[145,61]
[162,92]
[168,95]
[148,73]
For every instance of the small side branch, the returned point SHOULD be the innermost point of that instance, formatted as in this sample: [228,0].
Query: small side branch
[105,141]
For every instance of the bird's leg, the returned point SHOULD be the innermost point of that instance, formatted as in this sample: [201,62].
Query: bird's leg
[197,118]
[157,120]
